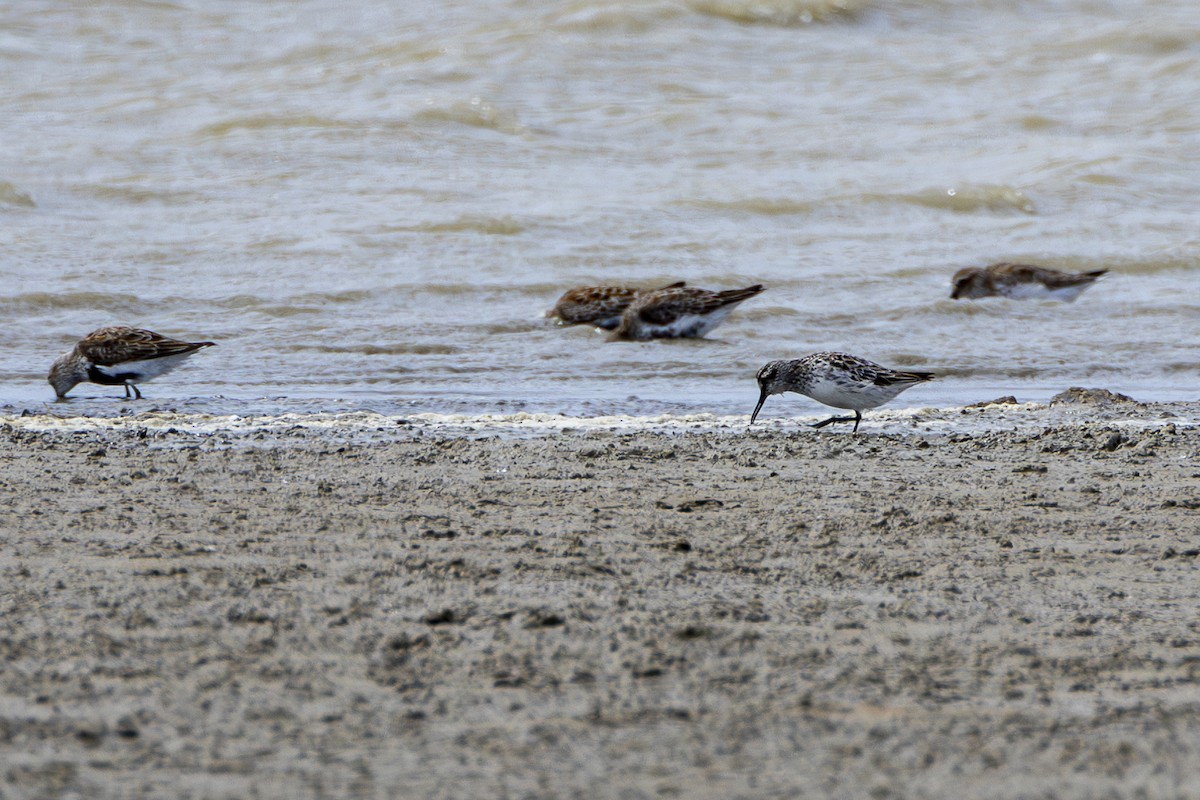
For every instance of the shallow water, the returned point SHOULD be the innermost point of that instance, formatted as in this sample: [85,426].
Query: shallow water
[371,208]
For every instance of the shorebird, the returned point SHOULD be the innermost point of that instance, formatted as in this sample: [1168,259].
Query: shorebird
[119,356]
[678,312]
[601,306]
[835,379]
[1020,282]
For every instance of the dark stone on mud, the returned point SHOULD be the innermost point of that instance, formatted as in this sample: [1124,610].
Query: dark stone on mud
[1007,400]
[1077,395]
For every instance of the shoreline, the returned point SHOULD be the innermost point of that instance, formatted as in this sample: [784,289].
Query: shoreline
[1077,407]
[368,606]
[733,399]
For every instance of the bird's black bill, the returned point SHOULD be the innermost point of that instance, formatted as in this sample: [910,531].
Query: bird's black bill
[762,398]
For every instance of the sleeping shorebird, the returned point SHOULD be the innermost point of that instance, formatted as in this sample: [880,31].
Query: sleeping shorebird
[1020,282]
[601,306]
[119,356]
[676,312]
[835,379]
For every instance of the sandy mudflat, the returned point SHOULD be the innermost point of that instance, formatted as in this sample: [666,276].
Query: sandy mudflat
[374,607]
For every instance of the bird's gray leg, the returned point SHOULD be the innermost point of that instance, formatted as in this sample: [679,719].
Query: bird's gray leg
[832,420]
[137,393]
[127,391]
[857,419]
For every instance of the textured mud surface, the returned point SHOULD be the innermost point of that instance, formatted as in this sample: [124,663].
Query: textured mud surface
[600,613]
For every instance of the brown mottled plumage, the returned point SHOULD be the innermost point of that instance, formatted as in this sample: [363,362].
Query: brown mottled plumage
[678,312]
[601,306]
[119,356]
[1020,282]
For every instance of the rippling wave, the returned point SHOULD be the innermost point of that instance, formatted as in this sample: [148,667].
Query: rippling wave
[137,194]
[263,122]
[618,17]
[477,113]
[345,296]
[499,226]
[966,199]
[766,206]
[70,301]
[375,204]
[780,12]
[378,349]
[12,196]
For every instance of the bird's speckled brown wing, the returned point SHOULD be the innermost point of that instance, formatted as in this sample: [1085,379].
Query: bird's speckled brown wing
[1050,278]
[585,304]
[667,305]
[119,344]
[889,377]
[596,304]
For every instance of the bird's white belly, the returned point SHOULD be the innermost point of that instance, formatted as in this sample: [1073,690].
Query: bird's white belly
[1038,291]
[144,370]
[692,325]
[848,394]
[703,323]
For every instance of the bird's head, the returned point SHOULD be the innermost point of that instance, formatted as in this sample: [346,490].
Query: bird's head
[768,384]
[65,373]
[963,283]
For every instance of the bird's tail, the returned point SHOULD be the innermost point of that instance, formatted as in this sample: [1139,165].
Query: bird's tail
[738,295]
[897,376]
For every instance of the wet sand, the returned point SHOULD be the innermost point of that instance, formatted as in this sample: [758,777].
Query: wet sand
[402,608]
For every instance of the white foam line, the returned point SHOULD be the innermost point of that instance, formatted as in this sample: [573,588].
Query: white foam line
[917,420]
